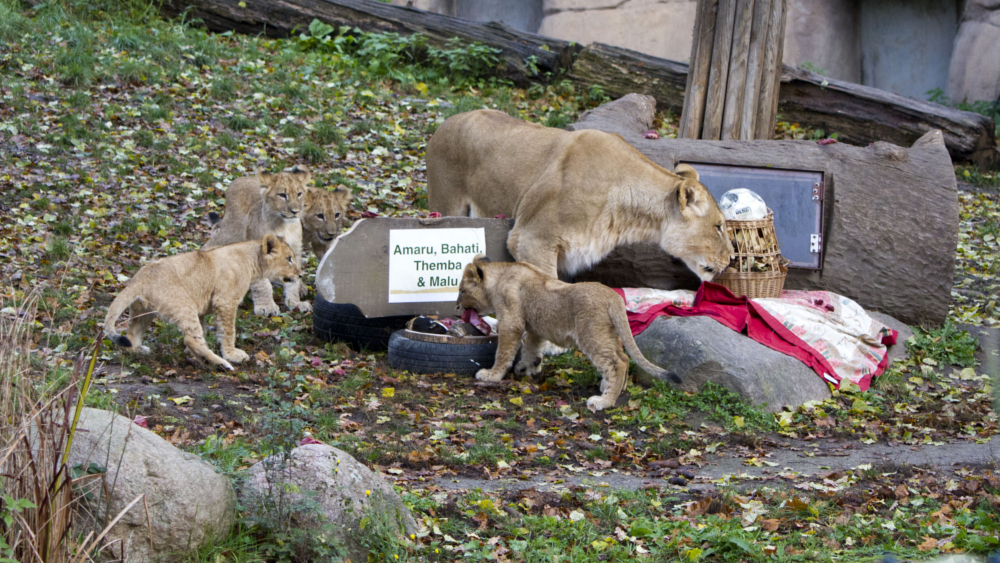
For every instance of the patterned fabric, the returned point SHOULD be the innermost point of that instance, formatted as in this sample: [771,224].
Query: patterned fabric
[837,328]
[828,332]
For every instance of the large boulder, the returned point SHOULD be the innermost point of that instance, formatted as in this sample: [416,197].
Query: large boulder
[188,503]
[700,349]
[341,492]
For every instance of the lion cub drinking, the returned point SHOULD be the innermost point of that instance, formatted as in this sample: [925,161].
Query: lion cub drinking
[526,300]
[262,205]
[182,289]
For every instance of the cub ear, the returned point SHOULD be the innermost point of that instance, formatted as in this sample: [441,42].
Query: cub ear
[342,195]
[266,179]
[686,171]
[302,172]
[269,243]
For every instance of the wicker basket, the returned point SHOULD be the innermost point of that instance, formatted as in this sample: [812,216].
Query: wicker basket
[757,268]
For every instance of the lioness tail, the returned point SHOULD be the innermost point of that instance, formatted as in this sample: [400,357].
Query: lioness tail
[115,310]
[620,320]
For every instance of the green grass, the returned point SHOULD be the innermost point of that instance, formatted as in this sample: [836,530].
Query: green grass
[239,122]
[946,345]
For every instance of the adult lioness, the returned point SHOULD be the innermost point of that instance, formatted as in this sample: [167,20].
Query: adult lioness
[323,216]
[527,301]
[262,205]
[575,196]
[182,289]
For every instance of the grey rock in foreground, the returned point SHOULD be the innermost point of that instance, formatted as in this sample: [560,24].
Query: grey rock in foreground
[336,486]
[899,350]
[188,502]
[700,349]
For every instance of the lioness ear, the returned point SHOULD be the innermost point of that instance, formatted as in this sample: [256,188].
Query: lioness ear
[270,242]
[686,171]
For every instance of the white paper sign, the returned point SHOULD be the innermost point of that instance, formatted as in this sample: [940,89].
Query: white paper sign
[425,265]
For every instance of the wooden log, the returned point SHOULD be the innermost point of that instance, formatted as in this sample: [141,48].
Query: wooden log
[732,118]
[279,19]
[697,84]
[767,100]
[900,262]
[719,73]
[755,67]
[860,114]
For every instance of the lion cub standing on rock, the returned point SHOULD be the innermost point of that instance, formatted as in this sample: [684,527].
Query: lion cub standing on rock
[323,217]
[182,289]
[588,315]
[263,205]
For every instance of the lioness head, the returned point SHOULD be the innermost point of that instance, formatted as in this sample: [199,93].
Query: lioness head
[277,260]
[324,211]
[700,238]
[472,290]
[285,191]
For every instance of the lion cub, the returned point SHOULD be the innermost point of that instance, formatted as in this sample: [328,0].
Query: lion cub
[527,301]
[182,289]
[262,205]
[323,217]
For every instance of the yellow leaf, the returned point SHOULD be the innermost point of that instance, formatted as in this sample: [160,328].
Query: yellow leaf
[517,401]
[738,421]
[242,4]
[181,400]
[388,392]
[693,554]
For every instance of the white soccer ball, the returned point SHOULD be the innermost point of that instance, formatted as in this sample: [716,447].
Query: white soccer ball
[742,204]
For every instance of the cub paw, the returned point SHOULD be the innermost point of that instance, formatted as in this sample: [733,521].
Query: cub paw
[530,369]
[269,310]
[599,403]
[303,291]
[488,375]
[236,356]
[550,349]
[226,366]
[301,306]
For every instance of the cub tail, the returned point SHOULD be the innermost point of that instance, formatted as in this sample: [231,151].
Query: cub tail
[115,310]
[620,320]
[213,218]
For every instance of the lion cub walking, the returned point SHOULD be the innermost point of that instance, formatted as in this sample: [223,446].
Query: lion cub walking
[262,205]
[526,300]
[182,289]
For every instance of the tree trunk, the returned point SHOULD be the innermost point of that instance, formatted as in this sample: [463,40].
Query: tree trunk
[890,217]
[860,114]
[280,18]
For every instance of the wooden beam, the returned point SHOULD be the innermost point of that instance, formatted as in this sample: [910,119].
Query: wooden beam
[701,55]
[736,87]
[719,74]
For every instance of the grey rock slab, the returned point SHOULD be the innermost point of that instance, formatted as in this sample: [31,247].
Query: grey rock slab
[700,349]
[188,503]
[339,487]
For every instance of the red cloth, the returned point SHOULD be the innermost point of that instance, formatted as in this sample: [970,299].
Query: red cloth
[743,315]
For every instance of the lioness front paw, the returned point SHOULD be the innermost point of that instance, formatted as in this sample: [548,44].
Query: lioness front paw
[236,356]
[268,310]
[489,375]
[600,402]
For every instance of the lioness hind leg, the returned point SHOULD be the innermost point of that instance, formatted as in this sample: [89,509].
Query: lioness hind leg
[140,318]
[531,356]
[614,370]
[263,298]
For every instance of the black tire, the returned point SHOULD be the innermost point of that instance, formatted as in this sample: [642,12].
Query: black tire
[433,357]
[343,322]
